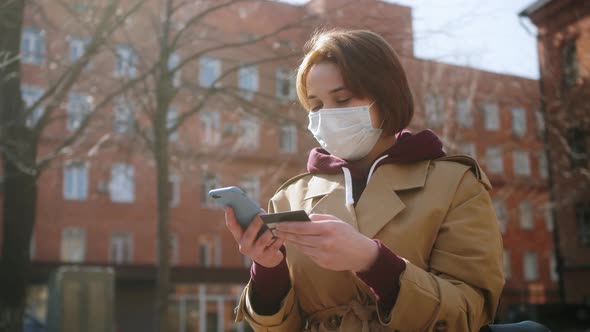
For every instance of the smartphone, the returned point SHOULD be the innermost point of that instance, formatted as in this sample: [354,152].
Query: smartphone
[272,219]
[244,208]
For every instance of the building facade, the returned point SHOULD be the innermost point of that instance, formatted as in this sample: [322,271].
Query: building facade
[96,205]
[564,48]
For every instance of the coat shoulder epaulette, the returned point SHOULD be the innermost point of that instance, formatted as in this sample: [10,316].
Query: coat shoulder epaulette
[291,180]
[473,166]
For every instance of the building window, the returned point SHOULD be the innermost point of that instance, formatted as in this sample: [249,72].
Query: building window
[500,208]
[126,62]
[583,221]
[32,47]
[173,62]
[79,106]
[569,64]
[531,266]
[250,132]
[543,165]
[540,124]
[122,185]
[434,110]
[468,149]
[76,181]
[73,245]
[549,221]
[527,220]
[251,186]
[248,81]
[553,273]
[288,138]
[521,163]
[121,248]
[576,139]
[494,161]
[209,183]
[507,265]
[30,96]
[171,123]
[491,116]
[211,128]
[124,119]
[78,48]
[518,122]
[205,254]
[174,184]
[285,84]
[464,115]
[209,72]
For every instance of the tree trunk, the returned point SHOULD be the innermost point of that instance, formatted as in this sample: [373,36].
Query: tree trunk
[18,153]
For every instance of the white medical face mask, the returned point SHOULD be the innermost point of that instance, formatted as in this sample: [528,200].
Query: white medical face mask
[346,133]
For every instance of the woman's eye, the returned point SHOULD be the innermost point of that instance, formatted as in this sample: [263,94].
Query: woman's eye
[343,101]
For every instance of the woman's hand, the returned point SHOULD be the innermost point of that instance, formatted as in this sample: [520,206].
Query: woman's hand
[330,243]
[264,251]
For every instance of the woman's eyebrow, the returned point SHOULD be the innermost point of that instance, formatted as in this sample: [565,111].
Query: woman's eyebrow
[340,88]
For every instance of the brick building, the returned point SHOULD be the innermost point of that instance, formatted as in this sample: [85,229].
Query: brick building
[98,208]
[564,47]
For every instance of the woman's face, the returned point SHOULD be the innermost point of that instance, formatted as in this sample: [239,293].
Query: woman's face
[325,89]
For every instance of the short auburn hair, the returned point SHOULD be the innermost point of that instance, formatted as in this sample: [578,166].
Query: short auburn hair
[369,67]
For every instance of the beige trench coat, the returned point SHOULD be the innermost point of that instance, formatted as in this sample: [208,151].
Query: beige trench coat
[436,214]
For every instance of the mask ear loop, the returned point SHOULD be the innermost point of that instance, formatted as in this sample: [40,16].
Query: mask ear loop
[382,121]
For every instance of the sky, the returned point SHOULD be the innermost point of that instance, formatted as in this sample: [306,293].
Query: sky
[487,35]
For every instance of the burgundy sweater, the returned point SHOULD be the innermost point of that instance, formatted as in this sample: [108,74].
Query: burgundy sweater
[270,285]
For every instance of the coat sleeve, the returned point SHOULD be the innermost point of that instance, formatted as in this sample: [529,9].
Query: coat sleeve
[288,318]
[461,289]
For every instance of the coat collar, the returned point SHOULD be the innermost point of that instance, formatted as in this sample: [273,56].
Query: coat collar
[379,202]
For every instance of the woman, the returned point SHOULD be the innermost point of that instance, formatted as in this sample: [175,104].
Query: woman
[402,238]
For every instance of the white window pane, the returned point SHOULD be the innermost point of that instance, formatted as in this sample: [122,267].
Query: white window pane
[122,185]
[548,215]
[250,132]
[75,181]
[501,216]
[124,119]
[288,138]
[540,123]
[468,149]
[531,268]
[250,184]
[79,106]
[30,96]
[211,128]
[521,163]
[73,245]
[494,161]
[205,254]
[464,116]
[173,62]
[491,116]
[121,250]
[32,46]
[285,84]
[209,71]
[174,183]
[525,209]
[171,122]
[518,122]
[126,62]
[434,110]
[248,81]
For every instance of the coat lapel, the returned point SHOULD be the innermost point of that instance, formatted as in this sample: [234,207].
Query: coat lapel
[329,190]
[380,203]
